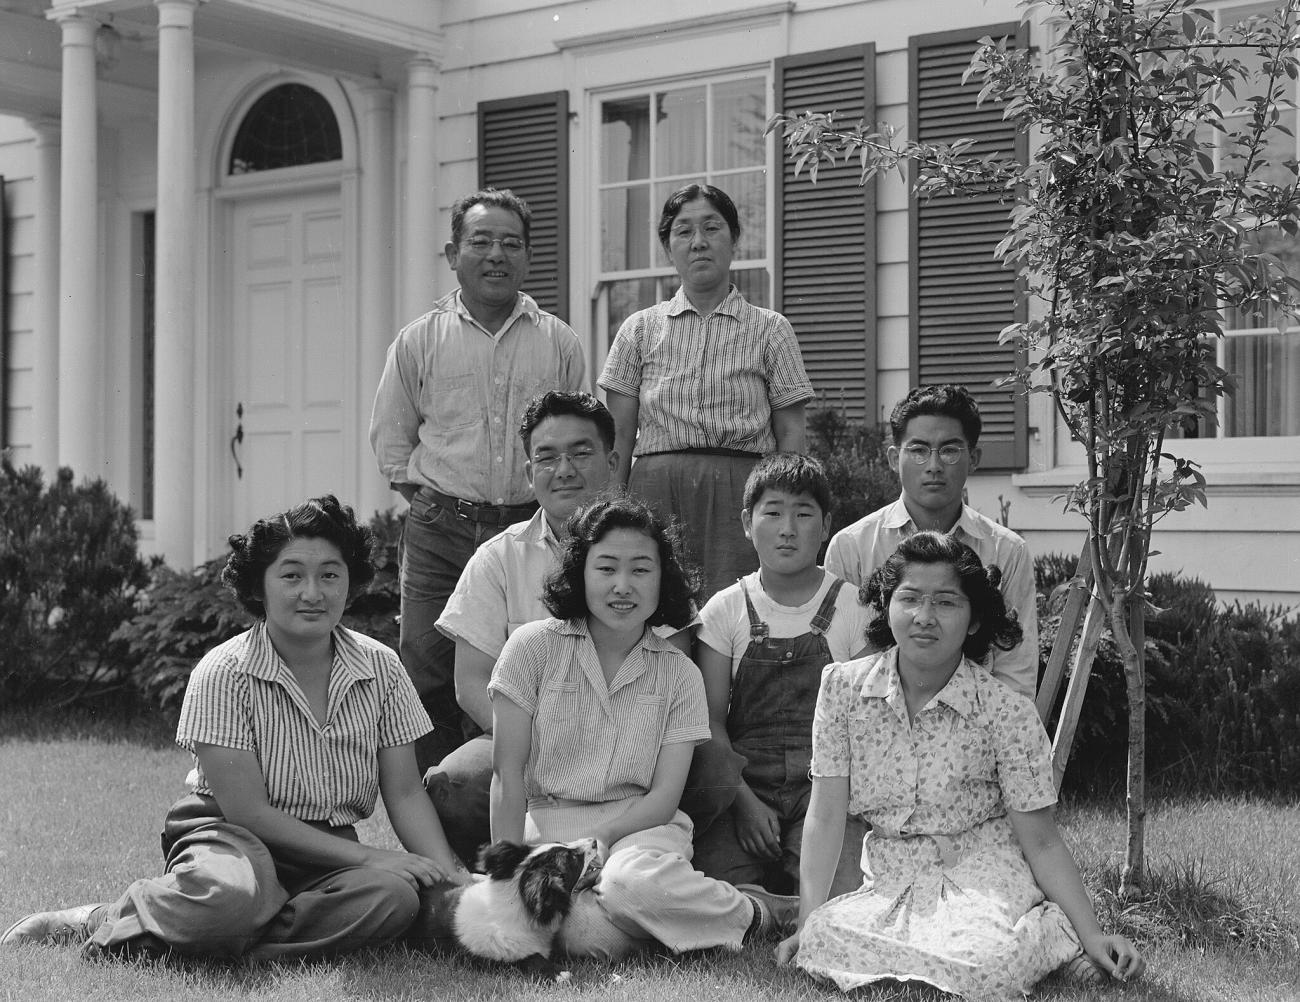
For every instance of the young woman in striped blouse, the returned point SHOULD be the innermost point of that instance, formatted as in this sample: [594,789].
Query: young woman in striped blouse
[595,720]
[295,727]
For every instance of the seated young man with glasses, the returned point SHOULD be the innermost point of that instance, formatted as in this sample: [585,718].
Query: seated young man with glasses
[936,432]
[568,439]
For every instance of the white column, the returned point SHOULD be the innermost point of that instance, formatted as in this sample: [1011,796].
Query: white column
[174,502]
[45,314]
[378,214]
[81,369]
[420,218]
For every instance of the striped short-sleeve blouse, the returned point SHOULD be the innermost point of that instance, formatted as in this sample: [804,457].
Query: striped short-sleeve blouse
[243,696]
[594,742]
[707,382]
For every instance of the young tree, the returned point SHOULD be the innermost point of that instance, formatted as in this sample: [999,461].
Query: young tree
[1150,205]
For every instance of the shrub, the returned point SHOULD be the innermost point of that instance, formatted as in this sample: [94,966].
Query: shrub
[180,617]
[69,573]
[1223,692]
[856,462]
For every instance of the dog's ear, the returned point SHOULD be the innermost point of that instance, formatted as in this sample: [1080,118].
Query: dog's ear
[544,891]
[500,859]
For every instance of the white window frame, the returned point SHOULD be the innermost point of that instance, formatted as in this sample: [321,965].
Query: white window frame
[1244,449]
[663,274]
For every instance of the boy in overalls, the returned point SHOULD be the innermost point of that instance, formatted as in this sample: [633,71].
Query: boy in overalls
[761,648]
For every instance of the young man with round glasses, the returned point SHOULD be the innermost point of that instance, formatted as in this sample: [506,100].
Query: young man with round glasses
[936,432]
[443,430]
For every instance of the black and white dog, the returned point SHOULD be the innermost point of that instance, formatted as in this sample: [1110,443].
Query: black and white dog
[512,911]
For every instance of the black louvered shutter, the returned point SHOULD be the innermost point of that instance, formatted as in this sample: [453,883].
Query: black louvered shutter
[825,253]
[523,145]
[962,296]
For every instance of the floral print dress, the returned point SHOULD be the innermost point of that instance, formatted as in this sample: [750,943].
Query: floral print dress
[947,896]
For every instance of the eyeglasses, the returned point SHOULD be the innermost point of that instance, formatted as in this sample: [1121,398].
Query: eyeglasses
[583,459]
[949,455]
[910,601]
[483,245]
[710,228]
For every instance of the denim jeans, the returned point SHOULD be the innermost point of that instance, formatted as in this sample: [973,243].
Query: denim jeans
[436,546]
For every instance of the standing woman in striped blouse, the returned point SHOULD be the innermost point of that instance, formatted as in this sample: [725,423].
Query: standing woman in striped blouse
[295,727]
[704,385]
[595,718]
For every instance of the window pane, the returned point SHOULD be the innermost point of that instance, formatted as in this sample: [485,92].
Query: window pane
[679,131]
[1287,249]
[625,139]
[625,298]
[738,120]
[749,192]
[625,228]
[1266,368]
[288,126]
[753,284]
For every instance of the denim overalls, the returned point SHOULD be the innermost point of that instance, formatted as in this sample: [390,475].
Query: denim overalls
[773,698]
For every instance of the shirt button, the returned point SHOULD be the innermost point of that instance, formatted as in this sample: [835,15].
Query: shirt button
[501,500]
[788,655]
[500,460]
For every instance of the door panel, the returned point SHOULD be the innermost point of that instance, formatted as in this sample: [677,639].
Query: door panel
[289,355]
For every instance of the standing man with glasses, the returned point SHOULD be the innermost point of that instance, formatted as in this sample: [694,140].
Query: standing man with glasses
[936,431]
[443,431]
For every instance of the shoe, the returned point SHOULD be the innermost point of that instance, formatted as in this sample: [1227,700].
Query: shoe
[774,914]
[70,925]
[1081,971]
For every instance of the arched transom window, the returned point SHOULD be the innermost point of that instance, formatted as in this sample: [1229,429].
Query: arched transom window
[288,126]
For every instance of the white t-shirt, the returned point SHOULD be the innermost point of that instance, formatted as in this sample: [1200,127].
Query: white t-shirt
[725,621]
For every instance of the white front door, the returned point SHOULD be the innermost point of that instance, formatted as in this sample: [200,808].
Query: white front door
[291,356]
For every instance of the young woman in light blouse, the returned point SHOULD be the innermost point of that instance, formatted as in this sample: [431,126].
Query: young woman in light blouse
[967,883]
[595,718]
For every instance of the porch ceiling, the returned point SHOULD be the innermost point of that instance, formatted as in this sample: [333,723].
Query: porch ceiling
[329,36]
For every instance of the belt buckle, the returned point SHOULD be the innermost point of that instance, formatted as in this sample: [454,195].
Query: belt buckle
[464,509]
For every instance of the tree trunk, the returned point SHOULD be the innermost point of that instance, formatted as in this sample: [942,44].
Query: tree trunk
[1128,629]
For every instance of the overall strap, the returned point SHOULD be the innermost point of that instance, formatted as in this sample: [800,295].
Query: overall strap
[757,628]
[826,611]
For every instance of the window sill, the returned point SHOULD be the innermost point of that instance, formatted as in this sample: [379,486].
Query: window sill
[1223,479]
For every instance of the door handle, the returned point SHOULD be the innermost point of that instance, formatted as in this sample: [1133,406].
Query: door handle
[237,439]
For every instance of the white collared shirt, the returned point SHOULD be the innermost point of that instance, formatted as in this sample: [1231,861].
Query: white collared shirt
[500,588]
[857,550]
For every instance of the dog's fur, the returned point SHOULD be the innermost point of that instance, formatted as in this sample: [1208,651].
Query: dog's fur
[512,911]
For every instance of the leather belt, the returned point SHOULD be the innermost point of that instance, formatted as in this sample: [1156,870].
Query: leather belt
[480,511]
[733,453]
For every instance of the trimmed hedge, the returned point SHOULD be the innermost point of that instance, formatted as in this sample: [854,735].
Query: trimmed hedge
[1223,693]
[69,575]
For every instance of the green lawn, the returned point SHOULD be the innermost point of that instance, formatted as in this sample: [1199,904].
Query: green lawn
[79,819]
